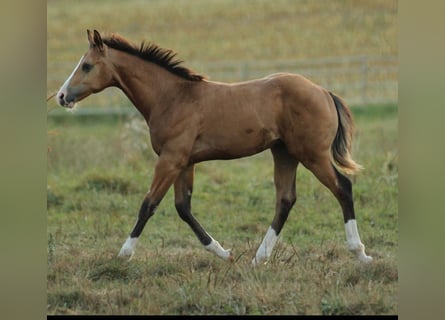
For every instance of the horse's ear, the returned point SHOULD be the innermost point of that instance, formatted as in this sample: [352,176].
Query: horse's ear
[98,41]
[90,37]
[95,40]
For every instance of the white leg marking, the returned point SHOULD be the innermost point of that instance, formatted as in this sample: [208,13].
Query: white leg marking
[65,85]
[217,249]
[127,249]
[266,247]
[354,243]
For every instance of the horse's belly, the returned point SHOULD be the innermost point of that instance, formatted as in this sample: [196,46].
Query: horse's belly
[232,145]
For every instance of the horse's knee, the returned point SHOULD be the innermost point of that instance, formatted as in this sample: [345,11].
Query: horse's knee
[291,200]
[286,203]
[145,212]
[147,209]
[183,209]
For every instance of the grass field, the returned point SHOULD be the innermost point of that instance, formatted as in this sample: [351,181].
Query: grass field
[98,173]
[99,169]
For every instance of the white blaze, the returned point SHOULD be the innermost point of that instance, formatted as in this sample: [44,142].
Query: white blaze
[63,90]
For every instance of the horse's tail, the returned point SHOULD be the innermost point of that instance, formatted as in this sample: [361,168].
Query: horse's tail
[341,147]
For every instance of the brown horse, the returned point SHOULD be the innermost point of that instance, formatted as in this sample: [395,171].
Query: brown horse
[192,119]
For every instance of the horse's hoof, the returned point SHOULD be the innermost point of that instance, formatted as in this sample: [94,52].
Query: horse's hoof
[126,253]
[127,249]
[256,262]
[365,259]
[231,257]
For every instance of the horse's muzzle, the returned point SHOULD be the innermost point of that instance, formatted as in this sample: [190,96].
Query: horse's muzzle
[64,102]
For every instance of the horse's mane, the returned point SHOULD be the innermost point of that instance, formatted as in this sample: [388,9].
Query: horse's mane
[151,52]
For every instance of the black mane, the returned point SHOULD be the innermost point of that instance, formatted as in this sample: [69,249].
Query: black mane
[153,53]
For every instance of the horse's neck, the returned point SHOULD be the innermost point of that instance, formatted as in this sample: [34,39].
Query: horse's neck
[144,83]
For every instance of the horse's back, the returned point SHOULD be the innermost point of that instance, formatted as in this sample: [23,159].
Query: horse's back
[244,118]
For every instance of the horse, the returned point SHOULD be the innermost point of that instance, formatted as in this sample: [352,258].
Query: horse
[192,119]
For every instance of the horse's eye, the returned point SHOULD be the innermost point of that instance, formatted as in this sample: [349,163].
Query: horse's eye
[86,67]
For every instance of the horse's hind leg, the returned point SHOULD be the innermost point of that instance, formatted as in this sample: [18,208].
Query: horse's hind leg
[341,187]
[284,178]
[183,194]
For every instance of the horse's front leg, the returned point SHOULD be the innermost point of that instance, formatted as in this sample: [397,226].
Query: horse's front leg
[166,172]
[183,196]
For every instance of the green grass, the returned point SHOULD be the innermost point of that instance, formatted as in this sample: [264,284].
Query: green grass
[98,173]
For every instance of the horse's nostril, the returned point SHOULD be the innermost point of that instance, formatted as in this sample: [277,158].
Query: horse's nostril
[61,98]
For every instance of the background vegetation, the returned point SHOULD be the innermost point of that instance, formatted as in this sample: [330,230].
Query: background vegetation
[100,168]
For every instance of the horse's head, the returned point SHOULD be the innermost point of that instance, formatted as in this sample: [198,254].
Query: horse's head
[92,74]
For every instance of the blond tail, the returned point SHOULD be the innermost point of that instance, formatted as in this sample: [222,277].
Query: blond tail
[341,147]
